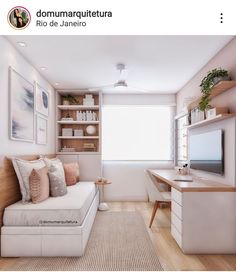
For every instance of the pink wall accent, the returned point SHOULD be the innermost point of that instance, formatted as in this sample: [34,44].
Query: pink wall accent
[225,59]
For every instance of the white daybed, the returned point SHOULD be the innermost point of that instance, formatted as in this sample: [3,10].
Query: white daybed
[58,226]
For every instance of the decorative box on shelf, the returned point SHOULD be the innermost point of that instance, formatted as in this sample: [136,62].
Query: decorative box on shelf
[211,113]
[67,132]
[78,132]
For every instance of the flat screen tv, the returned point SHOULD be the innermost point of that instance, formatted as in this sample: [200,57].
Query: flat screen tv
[207,151]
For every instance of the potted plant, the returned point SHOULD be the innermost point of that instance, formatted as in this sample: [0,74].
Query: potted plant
[69,100]
[213,77]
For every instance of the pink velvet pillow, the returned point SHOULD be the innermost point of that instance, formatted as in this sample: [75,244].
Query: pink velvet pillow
[71,173]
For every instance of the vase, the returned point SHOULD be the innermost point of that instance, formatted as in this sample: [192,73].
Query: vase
[220,78]
[66,102]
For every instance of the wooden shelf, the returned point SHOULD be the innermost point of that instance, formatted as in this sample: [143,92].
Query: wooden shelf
[212,120]
[78,122]
[79,153]
[77,137]
[218,89]
[78,107]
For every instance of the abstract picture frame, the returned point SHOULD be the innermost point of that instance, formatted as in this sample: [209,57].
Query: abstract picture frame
[41,130]
[41,100]
[21,108]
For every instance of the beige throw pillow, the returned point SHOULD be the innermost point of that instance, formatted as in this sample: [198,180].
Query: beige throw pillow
[23,170]
[39,185]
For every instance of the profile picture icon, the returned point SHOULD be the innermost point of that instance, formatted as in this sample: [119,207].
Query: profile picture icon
[19,17]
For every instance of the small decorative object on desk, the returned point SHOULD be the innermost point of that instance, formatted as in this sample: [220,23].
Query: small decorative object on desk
[184,170]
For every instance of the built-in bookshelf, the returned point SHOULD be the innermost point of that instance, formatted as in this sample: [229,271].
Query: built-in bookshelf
[78,124]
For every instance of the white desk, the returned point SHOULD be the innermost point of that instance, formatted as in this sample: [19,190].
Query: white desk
[203,217]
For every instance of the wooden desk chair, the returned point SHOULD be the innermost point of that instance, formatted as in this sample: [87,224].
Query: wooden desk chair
[156,194]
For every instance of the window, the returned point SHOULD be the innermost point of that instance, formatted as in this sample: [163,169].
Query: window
[137,133]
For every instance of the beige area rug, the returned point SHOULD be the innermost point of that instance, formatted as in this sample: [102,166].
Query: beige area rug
[118,241]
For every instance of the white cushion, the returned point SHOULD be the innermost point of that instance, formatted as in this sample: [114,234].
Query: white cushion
[23,170]
[67,210]
[50,162]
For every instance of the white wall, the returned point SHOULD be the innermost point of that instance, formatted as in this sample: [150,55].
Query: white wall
[129,182]
[139,99]
[11,57]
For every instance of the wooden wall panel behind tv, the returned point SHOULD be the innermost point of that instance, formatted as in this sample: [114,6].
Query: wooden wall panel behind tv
[9,186]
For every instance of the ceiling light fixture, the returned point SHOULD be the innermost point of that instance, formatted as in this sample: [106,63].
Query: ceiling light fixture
[120,83]
[22,44]
[43,68]
[56,84]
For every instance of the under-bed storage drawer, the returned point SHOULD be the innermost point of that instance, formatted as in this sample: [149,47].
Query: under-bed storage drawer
[13,245]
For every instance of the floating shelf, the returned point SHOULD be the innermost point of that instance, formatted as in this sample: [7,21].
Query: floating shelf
[78,153]
[218,89]
[217,118]
[78,137]
[78,107]
[78,122]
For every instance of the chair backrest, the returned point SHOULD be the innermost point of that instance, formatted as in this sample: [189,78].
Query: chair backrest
[153,187]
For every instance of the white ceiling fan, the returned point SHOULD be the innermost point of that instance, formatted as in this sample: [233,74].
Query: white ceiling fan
[121,84]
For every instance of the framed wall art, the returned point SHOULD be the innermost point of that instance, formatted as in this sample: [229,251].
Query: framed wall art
[21,108]
[41,130]
[41,100]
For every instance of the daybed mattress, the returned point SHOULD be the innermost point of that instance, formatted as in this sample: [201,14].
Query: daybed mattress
[67,210]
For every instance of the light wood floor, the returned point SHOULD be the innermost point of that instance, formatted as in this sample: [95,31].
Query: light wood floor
[170,255]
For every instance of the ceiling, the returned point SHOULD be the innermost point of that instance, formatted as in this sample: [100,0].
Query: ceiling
[156,64]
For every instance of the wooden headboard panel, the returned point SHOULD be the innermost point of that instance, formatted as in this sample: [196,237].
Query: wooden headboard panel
[9,186]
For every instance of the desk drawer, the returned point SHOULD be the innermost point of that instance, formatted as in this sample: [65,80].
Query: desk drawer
[176,222]
[176,196]
[177,209]
[176,235]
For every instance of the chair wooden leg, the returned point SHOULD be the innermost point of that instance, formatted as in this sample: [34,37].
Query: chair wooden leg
[154,212]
